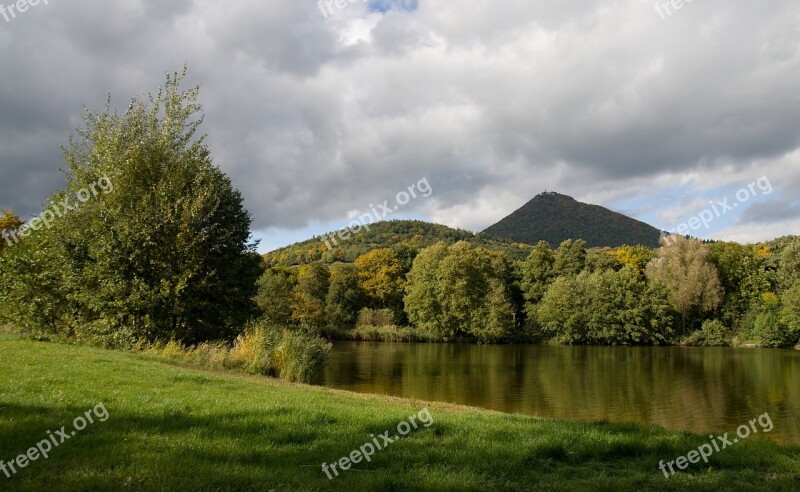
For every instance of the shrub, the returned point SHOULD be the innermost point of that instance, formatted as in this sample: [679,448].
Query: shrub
[392,333]
[261,349]
[769,331]
[100,333]
[712,334]
[211,355]
[297,356]
[251,350]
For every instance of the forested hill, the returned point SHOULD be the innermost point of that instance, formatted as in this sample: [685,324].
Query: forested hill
[553,217]
[398,234]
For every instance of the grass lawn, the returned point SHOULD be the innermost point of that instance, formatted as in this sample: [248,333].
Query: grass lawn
[176,428]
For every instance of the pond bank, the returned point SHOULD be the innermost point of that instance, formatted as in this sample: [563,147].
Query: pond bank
[178,428]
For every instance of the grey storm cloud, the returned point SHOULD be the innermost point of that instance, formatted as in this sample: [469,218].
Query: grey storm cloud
[772,211]
[314,117]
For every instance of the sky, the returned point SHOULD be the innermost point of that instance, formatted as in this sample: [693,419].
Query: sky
[320,113]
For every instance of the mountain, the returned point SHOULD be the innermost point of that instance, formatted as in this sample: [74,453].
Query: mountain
[553,217]
[397,234]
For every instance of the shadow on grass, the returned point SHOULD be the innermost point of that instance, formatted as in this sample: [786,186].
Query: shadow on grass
[274,448]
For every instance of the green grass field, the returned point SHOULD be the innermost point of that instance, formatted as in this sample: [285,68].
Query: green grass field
[178,428]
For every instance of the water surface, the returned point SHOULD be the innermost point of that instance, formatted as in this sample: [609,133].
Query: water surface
[697,389]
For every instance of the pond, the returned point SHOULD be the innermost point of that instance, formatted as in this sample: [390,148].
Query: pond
[697,389]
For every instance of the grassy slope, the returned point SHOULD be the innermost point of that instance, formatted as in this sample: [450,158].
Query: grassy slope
[185,429]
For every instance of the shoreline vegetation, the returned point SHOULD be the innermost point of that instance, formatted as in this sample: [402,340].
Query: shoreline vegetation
[407,334]
[165,415]
[686,292]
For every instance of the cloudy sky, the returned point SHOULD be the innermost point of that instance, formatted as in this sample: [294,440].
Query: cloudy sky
[318,112]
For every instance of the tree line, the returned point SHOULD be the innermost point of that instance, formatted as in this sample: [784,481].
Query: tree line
[389,233]
[683,292]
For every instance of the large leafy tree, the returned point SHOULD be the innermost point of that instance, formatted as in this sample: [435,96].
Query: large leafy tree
[606,307]
[163,252]
[636,257]
[692,283]
[570,258]
[381,274]
[743,275]
[274,296]
[345,296]
[422,300]
[537,273]
[623,309]
[461,290]
[562,313]
[309,296]
[499,315]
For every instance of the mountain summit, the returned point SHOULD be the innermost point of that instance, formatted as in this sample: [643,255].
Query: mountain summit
[553,217]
